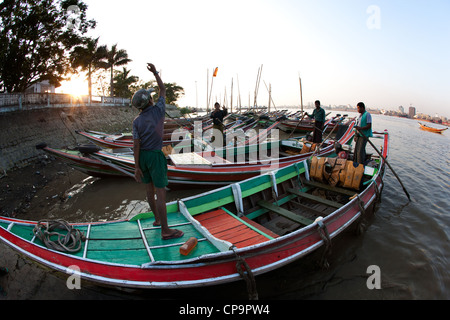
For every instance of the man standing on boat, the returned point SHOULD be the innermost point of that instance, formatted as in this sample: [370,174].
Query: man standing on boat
[363,125]
[319,117]
[218,115]
[150,162]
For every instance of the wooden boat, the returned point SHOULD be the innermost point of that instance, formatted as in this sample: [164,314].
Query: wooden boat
[307,125]
[243,229]
[431,129]
[218,167]
[125,140]
[296,126]
[119,140]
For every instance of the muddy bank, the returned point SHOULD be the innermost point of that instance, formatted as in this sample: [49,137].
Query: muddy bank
[25,193]
[21,131]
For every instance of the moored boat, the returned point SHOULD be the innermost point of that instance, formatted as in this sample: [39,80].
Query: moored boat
[214,167]
[307,125]
[431,129]
[171,136]
[250,227]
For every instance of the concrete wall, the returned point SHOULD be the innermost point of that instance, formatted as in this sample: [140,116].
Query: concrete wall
[20,131]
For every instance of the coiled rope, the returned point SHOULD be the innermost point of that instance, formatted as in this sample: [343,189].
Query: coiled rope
[69,241]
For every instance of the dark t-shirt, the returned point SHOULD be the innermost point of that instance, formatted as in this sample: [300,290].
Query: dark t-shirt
[148,126]
[218,116]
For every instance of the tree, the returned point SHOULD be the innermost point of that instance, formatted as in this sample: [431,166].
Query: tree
[89,57]
[173,92]
[136,86]
[116,58]
[35,39]
[122,83]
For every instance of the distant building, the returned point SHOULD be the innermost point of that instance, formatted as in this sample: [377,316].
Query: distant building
[401,109]
[412,112]
[41,87]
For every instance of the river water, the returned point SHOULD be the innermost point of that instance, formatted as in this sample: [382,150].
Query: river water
[407,241]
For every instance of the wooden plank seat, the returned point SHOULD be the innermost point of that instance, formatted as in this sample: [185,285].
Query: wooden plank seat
[285,213]
[315,198]
[225,225]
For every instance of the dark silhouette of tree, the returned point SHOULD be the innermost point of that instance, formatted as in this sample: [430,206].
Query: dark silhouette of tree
[89,57]
[36,37]
[115,57]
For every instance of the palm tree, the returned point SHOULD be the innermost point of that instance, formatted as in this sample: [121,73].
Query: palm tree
[116,58]
[122,83]
[90,57]
[173,93]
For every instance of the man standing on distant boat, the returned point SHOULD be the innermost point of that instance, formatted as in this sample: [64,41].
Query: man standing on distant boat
[150,161]
[218,115]
[319,117]
[363,125]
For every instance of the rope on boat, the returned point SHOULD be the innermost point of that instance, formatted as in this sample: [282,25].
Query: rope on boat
[360,226]
[246,273]
[297,169]
[67,242]
[378,193]
[361,206]
[325,235]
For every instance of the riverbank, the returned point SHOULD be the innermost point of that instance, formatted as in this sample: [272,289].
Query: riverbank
[23,130]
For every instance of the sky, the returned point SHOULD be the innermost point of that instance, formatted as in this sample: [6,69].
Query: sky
[386,53]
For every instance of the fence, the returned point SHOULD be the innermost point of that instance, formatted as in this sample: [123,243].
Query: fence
[27,101]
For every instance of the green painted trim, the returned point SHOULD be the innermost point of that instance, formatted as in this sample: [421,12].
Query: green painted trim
[225,196]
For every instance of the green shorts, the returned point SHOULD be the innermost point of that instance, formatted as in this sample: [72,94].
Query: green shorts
[154,168]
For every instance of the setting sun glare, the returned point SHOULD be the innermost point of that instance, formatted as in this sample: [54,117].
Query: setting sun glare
[77,86]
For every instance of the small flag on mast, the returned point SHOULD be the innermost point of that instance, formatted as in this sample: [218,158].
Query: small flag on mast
[215,72]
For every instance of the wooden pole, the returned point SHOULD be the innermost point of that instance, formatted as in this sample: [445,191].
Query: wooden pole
[225,101]
[297,125]
[301,91]
[239,95]
[379,153]
[210,92]
[323,140]
[207,91]
[256,85]
[113,166]
[231,98]
[258,80]
[270,94]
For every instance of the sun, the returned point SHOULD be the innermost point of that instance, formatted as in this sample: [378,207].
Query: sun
[77,86]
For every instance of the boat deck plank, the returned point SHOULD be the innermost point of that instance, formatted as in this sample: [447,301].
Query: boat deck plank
[260,227]
[285,213]
[315,198]
[225,227]
[129,247]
